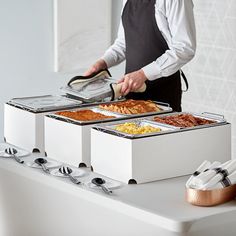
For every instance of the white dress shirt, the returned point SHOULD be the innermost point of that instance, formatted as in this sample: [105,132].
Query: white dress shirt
[175,21]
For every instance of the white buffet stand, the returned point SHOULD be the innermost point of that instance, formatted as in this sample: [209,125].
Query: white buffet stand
[35,204]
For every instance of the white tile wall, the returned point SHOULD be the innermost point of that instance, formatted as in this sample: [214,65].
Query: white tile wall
[212,73]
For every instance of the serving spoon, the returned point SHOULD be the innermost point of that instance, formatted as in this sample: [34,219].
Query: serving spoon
[12,152]
[67,171]
[42,161]
[100,183]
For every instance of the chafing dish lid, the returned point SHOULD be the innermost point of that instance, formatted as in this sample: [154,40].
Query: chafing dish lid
[91,88]
[45,103]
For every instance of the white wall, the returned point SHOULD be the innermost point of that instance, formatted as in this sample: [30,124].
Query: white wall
[26,50]
[83,30]
[116,13]
[212,73]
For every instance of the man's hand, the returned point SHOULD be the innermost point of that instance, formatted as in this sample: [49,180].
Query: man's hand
[99,65]
[132,82]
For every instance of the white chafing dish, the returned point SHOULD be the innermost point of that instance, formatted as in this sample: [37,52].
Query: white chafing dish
[161,155]
[68,140]
[24,119]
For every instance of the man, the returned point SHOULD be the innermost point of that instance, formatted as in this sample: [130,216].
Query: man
[156,37]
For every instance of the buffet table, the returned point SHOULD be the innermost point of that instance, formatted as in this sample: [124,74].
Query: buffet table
[37,204]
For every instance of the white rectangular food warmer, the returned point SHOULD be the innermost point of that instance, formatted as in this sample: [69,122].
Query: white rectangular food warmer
[172,153]
[24,119]
[68,140]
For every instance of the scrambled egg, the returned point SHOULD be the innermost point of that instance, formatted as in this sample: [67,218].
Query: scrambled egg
[132,128]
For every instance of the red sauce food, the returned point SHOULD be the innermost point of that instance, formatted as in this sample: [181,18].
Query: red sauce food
[84,115]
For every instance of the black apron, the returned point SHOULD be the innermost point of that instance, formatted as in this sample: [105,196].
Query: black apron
[144,44]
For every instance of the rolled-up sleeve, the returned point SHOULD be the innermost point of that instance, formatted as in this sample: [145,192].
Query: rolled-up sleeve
[115,54]
[182,43]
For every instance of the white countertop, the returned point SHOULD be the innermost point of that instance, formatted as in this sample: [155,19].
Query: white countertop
[161,203]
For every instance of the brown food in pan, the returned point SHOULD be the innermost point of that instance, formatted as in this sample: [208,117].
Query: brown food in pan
[131,107]
[84,115]
[183,120]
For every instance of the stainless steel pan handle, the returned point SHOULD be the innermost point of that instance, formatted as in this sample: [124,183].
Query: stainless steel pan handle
[210,114]
[163,103]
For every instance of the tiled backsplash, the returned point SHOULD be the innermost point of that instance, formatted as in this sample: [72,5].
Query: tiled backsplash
[212,73]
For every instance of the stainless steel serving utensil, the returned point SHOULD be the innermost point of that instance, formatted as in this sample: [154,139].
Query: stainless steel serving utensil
[67,171]
[100,183]
[12,152]
[41,161]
